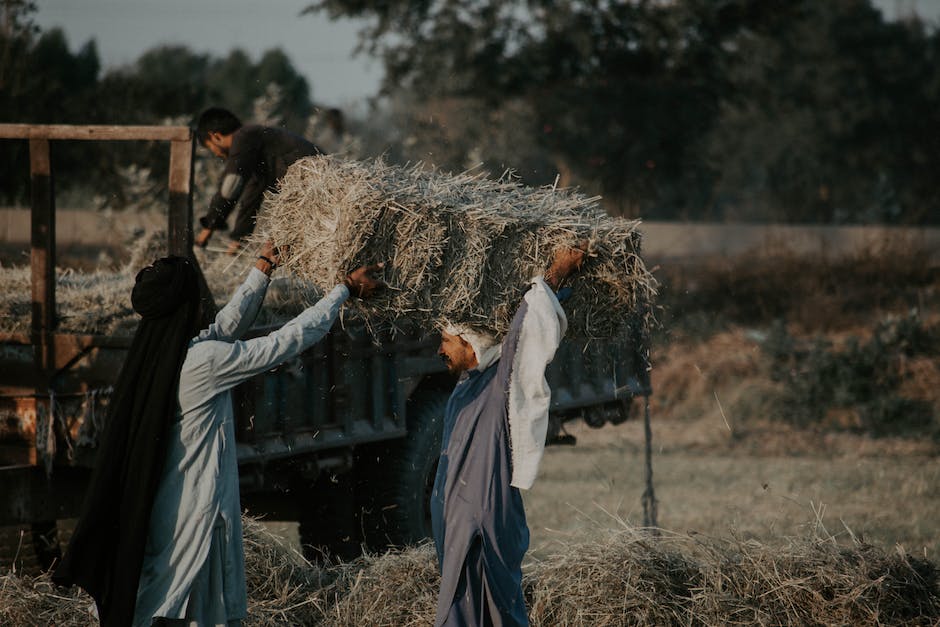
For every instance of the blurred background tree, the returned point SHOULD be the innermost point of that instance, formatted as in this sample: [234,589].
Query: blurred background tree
[753,110]
[42,81]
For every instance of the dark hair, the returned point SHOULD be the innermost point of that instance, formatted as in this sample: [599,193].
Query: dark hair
[216,120]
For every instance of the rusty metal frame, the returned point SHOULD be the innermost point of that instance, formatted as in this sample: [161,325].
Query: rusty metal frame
[54,352]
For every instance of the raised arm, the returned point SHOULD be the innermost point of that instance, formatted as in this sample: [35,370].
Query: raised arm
[529,347]
[234,320]
[232,363]
[541,297]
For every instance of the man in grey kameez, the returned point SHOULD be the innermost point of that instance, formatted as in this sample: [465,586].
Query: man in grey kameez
[494,434]
[193,569]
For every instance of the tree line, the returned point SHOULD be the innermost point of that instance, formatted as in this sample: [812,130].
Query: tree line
[42,81]
[752,110]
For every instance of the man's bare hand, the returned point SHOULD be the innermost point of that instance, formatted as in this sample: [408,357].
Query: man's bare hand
[269,250]
[268,258]
[203,238]
[566,260]
[361,284]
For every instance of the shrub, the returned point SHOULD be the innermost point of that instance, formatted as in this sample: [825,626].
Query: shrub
[859,380]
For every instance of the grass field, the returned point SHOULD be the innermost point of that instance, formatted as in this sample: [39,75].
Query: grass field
[885,497]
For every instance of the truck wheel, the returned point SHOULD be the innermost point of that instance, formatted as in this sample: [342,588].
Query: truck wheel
[397,508]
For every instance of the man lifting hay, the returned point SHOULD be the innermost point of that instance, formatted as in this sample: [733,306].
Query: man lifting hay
[494,435]
[459,248]
[256,157]
[159,539]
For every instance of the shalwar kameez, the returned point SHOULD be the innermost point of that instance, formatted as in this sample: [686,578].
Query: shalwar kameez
[194,562]
[160,533]
[494,435]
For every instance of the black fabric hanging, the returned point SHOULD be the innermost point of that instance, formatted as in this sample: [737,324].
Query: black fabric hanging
[105,554]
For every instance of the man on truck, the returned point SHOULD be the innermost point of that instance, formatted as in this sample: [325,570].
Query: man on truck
[256,157]
[159,539]
[494,434]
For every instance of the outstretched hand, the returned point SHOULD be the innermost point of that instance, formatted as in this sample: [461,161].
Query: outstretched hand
[269,250]
[361,284]
[566,260]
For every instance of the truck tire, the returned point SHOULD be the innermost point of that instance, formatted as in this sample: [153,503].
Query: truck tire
[396,486]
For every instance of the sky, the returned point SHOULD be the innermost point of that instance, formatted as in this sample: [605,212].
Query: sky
[321,50]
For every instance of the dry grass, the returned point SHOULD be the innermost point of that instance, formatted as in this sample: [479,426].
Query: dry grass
[99,301]
[631,578]
[458,248]
[627,577]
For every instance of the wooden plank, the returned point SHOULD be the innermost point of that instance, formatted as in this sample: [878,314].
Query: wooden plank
[94,132]
[180,216]
[42,237]
[42,260]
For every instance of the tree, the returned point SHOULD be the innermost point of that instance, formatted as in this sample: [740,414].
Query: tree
[44,82]
[825,117]
[750,109]
[40,78]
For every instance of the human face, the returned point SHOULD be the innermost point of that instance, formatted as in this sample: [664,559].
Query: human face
[217,144]
[457,353]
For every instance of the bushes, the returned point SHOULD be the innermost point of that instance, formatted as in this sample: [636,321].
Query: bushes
[856,385]
[812,292]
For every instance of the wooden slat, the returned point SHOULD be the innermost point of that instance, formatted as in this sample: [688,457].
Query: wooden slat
[95,132]
[42,246]
[180,216]
[42,259]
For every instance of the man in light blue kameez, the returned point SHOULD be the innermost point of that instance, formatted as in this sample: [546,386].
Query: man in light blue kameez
[193,569]
[494,434]
[159,539]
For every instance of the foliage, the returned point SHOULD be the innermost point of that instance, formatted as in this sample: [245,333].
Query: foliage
[740,109]
[44,82]
[38,75]
[860,380]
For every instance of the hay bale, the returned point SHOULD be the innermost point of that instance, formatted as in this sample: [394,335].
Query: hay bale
[633,578]
[458,248]
[97,302]
[397,588]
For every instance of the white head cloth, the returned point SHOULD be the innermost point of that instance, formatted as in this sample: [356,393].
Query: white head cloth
[485,346]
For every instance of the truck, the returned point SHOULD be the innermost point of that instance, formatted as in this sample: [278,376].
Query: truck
[344,439]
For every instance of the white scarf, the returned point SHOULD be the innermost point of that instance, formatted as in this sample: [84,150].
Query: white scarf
[529,395]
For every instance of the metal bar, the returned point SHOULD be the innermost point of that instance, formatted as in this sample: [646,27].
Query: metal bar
[180,216]
[42,236]
[649,496]
[94,132]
